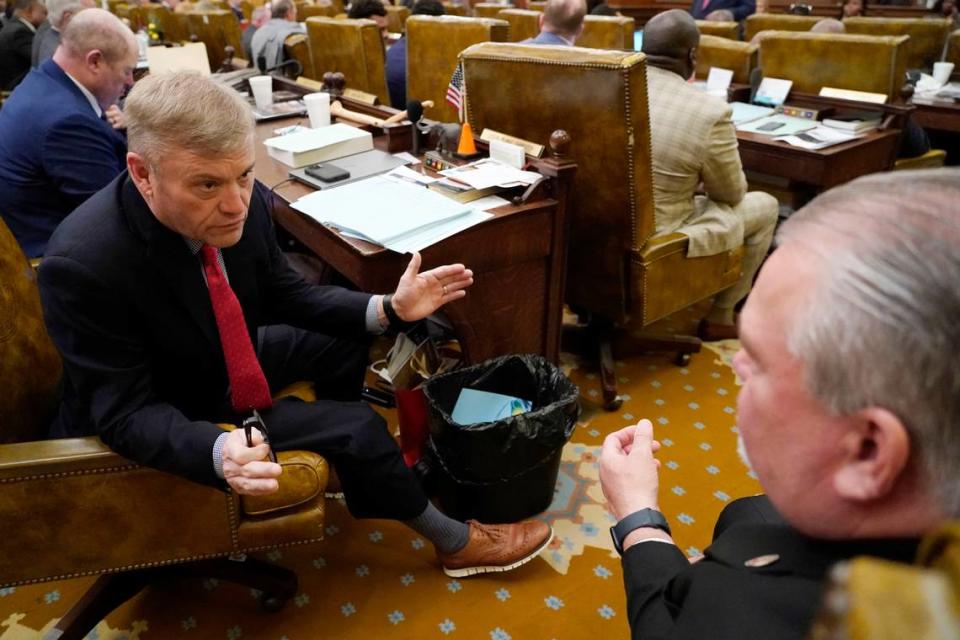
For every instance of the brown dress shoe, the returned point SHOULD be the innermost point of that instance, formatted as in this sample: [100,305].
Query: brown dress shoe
[497,547]
[714,331]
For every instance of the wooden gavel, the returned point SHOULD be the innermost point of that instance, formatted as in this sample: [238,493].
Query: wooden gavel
[338,110]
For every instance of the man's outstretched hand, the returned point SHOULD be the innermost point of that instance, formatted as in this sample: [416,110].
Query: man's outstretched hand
[420,294]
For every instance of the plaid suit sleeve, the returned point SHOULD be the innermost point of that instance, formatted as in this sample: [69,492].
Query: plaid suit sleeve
[722,172]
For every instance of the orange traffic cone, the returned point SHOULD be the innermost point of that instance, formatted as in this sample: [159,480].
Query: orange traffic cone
[466,147]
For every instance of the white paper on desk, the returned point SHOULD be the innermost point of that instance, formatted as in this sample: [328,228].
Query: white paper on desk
[818,138]
[718,80]
[440,231]
[407,158]
[488,202]
[403,173]
[488,173]
[777,125]
[379,210]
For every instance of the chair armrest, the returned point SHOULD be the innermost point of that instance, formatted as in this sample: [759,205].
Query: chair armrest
[66,455]
[659,247]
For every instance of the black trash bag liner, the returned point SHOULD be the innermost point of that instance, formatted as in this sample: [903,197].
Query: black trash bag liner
[505,449]
[497,501]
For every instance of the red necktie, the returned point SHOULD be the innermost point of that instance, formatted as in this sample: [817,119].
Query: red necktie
[703,4]
[248,385]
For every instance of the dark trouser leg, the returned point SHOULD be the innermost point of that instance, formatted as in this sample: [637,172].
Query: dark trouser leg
[752,510]
[353,438]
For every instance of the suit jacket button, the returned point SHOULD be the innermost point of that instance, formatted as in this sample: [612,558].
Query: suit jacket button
[762,561]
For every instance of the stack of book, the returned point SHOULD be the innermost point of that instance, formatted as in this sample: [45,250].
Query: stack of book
[854,123]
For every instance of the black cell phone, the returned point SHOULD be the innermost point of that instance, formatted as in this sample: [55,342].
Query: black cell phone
[327,172]
[378,397]
[770,126]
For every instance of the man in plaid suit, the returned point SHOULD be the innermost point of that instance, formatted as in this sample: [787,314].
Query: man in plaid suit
[694,147]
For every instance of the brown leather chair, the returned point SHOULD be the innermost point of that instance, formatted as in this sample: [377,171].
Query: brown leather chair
[397,18]
[170,29]
[217,30]
[607,32]
[777,22]
[841,60]
[353,47]
[93,512]
[729,30]
[524,23]
[739,57]
[297,47]
[537,5]
[317,11]
[488,9]
[452,9]
[433,45]
[953,49]
[616,270]
[927,36]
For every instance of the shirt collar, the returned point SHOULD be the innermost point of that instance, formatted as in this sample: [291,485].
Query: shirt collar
[89,96]
[193,245]
[28,23]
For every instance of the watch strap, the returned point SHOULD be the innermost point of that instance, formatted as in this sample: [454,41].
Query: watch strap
[395,321]
[643,518]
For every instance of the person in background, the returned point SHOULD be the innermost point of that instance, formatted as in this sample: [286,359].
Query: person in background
[371,10]
[58,144]
[852,9]
[694,149]
[16,41]
[561,23]
[722,10]
[396,63]
[267,43]
[828,25]
[59,13]
[847,414]
[947,9]
[257,20]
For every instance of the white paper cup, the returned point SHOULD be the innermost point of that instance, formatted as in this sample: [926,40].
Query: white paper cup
[318,108]
[942,71]
[262,87]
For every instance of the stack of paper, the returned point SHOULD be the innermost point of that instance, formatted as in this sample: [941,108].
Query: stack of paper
[744,112]
[484,174]
[819,138]
[317,145]
[399,215]
[777,125]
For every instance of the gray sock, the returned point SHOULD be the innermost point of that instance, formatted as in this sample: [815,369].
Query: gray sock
[446,534]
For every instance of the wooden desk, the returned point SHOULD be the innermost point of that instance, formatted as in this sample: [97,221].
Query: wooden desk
[518,258]
[943,116]
[810,172]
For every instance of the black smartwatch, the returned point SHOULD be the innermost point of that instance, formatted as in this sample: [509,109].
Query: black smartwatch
[395,321]
[643,518]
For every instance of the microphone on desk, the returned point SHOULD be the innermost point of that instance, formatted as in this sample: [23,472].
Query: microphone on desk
[295,64]
[756,77]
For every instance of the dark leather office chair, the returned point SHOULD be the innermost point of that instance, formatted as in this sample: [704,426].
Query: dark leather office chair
[84,510]
[618,273]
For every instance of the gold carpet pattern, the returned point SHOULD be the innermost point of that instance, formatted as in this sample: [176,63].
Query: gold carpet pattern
[377,579]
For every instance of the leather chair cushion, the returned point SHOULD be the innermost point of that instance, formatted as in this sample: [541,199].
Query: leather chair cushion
[728,30]
[524,23]
[927,36]
[353,47]
[777,22]
[607,32]
[739,57]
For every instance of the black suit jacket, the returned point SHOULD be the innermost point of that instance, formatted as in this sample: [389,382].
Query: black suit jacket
[127,306]
[16,45]
[720,597]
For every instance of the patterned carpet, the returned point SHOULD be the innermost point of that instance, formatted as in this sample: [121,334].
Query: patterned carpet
[377,579]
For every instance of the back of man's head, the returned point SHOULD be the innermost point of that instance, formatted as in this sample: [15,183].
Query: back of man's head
[828,25]
[59,12]
[366,9]
[883,326]
[97,29]
[184,110]
[564,17]
[260,16]
[428,8]
[281,8]
[670,35]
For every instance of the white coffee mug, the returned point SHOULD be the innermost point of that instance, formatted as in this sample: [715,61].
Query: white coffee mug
[318,108]
[262,87]
[942,71]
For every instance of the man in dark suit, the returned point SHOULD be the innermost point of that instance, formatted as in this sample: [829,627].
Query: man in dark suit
[396,62]
[722,10]
[174,310]
[848,413]
[16,41]
[57,145]
[59,13]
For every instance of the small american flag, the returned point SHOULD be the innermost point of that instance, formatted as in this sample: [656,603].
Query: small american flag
[455,90]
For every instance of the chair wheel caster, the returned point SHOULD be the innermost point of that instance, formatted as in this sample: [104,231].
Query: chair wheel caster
[681,359]
[272,603]
[613,405]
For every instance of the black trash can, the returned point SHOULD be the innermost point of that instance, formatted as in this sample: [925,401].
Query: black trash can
[506,470]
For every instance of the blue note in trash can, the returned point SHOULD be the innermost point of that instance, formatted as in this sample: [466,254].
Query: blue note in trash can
[474,406]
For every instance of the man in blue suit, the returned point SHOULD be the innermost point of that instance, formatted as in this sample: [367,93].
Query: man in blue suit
[560,23]
[57,145]
[722,10]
